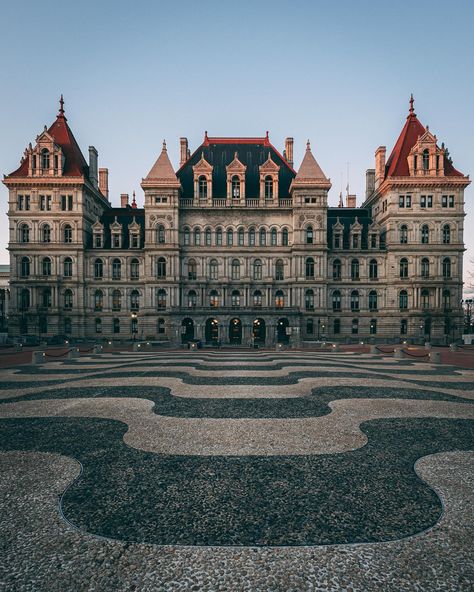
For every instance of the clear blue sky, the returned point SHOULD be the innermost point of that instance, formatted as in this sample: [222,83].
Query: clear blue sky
[339,73]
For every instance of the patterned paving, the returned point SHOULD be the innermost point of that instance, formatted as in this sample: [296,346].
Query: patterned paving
[260,459]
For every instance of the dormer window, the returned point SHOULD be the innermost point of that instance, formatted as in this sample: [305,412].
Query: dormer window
[134,240]
[98,240]
[355,241]
[235,187]
[426,159]
[268,187]
[116,240]
[45,159]
[337,240]
[202,187]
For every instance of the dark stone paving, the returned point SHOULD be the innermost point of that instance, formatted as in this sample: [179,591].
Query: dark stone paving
[366,495]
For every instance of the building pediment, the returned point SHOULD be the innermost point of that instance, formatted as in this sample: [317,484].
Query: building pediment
[269,166]
[202,166]
[236,166]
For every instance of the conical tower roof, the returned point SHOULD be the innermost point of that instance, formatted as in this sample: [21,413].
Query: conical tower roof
[162,172]
[310,173]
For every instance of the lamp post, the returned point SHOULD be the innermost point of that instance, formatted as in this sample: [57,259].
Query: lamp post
[134,325]
[468,306]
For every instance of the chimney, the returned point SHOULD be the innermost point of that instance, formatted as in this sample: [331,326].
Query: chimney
[369,182]
[289,151]
[104,182]
[380,164]
[93,165]
[351,201]
[183,152]
[123,200]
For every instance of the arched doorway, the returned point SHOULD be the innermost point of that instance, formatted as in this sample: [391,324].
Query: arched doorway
[259,332]
[187,330]
[282,335]
[212,331]
[235,331]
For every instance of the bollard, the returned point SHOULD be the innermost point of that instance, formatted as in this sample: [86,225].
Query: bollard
[435,357]
[427,345]
[38,357]
[97,349]
[193,346]
[335,347]
[373,349]
[279,347]
[136,347]
[453,347]
[398,353]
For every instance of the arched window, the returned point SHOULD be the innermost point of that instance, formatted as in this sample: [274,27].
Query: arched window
[273,237]
[446,234]
[67,267]
[268,187]
[116,300]
[202,187]
[161,299]
[309,235]
[373,326]
[116,325]
[336,300]
[373,269]
[46,266]
[355,326]
[230,237]
[403,300]
[403,234]
[213,269]
[98,300]
[46,297]
[192,269]
[284,237]
[235,269]
[355,269]
[98,268]
[208,237]
[309,300]
[425,298]
[68,233]
[309,267]
[192,299]
[160,234]
[213,298]
[336,269]
[354,300]
[46,233]
[426,159]
[425,267]
[160,325]
[25,267]
[279,270]
[197,236]
[186,236]
[404,268]
[257,269]
[252,237]
[161,267]
[257,299]
[68,299]
[134,325]
[218,236]
[446,267]
[263,237]
[373,300]
[235,187]
[135,300]
[24,233]
[425,234]
[279,299]
[134,269]
[240,234]
[235,299]
[45,159]
[98,325]
[446,300]
[24,299]
[116,269]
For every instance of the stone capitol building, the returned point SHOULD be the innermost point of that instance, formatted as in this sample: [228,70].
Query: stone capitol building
[237,246]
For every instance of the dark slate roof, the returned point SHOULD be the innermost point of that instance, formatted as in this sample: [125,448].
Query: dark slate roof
[252,152]
[347,217]
[125,217]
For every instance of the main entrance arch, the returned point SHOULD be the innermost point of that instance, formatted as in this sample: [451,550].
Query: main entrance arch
[282,335]
[259,331]
[187,330]
[212,331]
[235,331]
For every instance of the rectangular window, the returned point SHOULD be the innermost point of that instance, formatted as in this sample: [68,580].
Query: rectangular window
[403,327]
[355,241]
[27,202]
[63,203]
[444,201]
[42,202]
[134,241]
[429,202]
[69,202]
[19,203]
[66,202]
[423,201]
[337,241]
[451,201]
[408,201]
[98,241]
[401,201]
[373,241]
[116,241]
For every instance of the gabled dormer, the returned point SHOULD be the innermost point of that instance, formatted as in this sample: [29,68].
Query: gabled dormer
[373,240]
[269,179]
[425,157]
[46,158]
[97,235]
[236,179]
[337,235]
[134,234]
[202,172]
[355,235]
[116,234]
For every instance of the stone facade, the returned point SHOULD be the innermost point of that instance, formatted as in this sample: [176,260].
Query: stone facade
[236,246]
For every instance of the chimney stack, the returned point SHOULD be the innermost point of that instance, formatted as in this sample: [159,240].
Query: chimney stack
[93,167]
[369,182]
[104,182]
[183,152]
[123,200]
[380,164]
[351,201]
[289,151]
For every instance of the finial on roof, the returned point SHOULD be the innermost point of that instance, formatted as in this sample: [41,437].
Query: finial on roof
[412,101]
[134,203]
[308,145]
[164,145]
[266,135]
[61,106]
[236,155]
[205,136]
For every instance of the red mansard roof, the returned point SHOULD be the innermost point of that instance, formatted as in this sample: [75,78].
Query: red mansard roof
[397,163]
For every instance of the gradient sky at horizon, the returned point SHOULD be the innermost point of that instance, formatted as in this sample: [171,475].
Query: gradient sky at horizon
[338,73]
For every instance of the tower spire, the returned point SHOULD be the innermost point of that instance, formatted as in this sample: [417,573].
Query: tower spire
[412,101]
[61,106]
